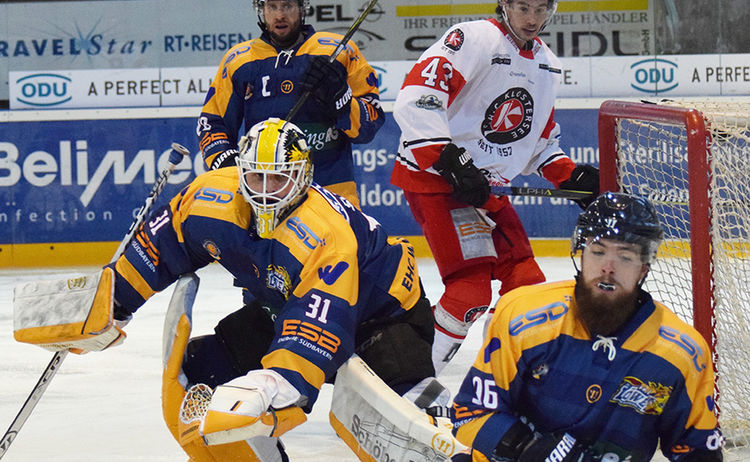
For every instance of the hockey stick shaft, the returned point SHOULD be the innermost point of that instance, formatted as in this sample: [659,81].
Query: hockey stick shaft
[539,192]
[57,359]
[334,55]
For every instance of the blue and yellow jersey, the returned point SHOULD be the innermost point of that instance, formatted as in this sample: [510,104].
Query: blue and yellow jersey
[256,81]
[654,383]
[326,269]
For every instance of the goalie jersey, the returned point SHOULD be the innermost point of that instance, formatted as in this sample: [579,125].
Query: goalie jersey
[326,269]
[477,89]
[651,383]
[256,81]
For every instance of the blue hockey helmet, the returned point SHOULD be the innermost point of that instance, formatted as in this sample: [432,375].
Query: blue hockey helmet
[622,217]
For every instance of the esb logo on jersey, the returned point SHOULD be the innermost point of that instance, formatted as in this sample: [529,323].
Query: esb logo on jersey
[454,40]
[508,118]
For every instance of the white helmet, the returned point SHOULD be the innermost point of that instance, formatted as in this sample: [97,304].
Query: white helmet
[275,171]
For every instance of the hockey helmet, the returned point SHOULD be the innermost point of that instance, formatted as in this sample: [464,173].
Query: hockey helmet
[622,217]
[275,171]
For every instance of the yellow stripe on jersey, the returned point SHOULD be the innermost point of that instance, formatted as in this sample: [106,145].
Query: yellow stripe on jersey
[686,349]
[405,286]
[125,269]
[314,222]
[285,359]
[213,194]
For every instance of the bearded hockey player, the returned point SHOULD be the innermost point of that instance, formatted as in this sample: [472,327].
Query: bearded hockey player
[592,369]
[477,110]
[265,77]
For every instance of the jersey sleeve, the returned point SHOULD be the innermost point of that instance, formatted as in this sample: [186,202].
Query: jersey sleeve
[689,423]
[366,116]
[317,324]
[429,89]
[182,236]
[482,411]
[222,113]
[549,161]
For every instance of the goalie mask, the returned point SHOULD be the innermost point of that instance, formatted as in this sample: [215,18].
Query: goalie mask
[621,217]
[275,171]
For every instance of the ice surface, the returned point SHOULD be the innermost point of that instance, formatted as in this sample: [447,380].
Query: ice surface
[106,406]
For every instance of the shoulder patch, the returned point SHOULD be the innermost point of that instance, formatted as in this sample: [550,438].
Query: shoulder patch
[454,40]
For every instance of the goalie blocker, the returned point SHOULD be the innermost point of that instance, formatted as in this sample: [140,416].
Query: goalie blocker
[73,314]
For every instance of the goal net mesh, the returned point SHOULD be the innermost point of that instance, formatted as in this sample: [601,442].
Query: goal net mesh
[652,161]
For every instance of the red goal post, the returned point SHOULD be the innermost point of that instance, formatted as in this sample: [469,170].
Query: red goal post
[691,159]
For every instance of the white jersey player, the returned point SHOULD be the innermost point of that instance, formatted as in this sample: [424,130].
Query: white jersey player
[477,110]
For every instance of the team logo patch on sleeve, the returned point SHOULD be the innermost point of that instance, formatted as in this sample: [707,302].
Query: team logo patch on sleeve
[644,398]
[454,40]
[278,278]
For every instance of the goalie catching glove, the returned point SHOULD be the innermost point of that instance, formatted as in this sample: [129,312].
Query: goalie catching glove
[470,186]
[73,314]
[260,403]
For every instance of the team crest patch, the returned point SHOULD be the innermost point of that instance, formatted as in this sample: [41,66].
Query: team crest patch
[429,102]
[454,40]
[508,118]
[644,398]
[277,278]
[212,249]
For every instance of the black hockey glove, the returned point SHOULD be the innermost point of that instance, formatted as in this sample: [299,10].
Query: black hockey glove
[561,447]
[225,159]
[327,83]
[469,183]
[583,178]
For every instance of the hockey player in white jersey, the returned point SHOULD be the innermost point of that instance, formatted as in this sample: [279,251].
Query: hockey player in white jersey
[476,110]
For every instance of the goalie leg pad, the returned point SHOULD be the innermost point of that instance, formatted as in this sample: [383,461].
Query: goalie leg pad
[374,421]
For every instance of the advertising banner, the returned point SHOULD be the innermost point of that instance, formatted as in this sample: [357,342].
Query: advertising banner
[601,77]
[51,37]
[82,181]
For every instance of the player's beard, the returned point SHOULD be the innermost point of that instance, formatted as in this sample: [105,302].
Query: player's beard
[603,315]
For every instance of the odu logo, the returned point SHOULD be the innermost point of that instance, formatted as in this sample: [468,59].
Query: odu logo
[654,75]
[43,89]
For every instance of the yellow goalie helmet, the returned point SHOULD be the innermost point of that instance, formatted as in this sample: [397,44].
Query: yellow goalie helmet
[275,171]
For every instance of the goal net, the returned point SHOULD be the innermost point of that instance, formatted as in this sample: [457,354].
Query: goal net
[691,159]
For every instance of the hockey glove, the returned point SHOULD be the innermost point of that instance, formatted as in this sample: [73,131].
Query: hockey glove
[225,159]
[327,82]
[583,178]
[554,446]
[469,183]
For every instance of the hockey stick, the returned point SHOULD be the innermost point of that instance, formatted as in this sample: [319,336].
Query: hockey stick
[333,56]
[539,192]
[178,152]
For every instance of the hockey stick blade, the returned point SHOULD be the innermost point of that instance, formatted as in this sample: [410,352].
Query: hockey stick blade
[539,192]
[334,55]
[178,151]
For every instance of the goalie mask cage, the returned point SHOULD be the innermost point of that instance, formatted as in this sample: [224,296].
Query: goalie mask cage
[692,161]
